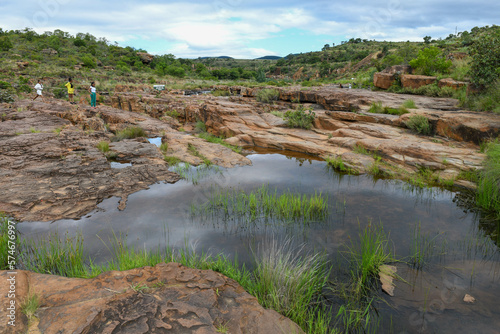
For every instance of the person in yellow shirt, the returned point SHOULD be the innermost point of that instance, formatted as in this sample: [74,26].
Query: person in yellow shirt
[71,90]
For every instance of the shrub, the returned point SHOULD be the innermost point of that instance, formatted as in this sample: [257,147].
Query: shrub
[430,61]
[485,53]
[6,96]
[129,133]
[220,92]
[200,127]
[377,108]
[419,124]
[5,85]
[267,95]
[299,118]
[5,43]
[88,61]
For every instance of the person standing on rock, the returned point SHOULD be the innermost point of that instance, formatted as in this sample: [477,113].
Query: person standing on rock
[71,90]
[93,94]
[39,88]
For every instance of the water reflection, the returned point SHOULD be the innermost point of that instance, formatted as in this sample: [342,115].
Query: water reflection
[162,215]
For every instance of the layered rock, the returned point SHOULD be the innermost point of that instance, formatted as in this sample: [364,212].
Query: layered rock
[449,82]
[51,167]
[167,298]
[416,81]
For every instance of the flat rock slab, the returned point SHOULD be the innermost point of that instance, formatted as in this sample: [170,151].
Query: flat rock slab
[167,298]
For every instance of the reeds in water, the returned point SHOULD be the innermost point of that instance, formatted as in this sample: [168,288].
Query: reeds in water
[264,203]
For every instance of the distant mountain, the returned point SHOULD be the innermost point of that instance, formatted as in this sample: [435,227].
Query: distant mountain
[220,57]
[270,57]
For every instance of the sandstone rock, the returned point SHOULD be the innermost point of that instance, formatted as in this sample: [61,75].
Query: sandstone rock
[383,80]
[146,58]
[386,275]
[416,81]
[145,300]
[449,82]
[22,64]
[469,299]
[398,69]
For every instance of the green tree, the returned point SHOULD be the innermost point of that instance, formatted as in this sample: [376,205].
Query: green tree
[430,61]
[5,43]
[427,39]
[485,63]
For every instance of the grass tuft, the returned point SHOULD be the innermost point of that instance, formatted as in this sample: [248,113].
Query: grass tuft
[130,133]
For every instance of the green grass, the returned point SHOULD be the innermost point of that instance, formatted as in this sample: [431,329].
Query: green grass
[194,151]
[420,124]
[378,108]
[289,279]
[299,118]
[488,190]
[360,149]
[279,114]
[130,133]
[103,146]
[338,164]
[422,248]
[267,95]
[9,242]
[164,147]
[30,305]
[200,127]
[171,160]
[409,104]
[54,255]
[221,92]
[264,203]
[33,130]
[172,113]
[218,140]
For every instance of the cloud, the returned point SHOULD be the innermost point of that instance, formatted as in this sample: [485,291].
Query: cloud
[235,27]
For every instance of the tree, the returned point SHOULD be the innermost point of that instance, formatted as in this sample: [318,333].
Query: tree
[427,39]
[326,47]
[430,61]
[485,63]
[5,43]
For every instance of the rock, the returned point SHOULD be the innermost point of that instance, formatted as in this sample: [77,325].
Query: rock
[383,80]
[398,69]
[49,51]
[386,275]
[469,299]
[22,64]
[416,81]
[145,300]
[146,58]
[449,82]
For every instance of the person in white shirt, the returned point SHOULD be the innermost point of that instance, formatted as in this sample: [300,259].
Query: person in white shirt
[93,93]
[39,88]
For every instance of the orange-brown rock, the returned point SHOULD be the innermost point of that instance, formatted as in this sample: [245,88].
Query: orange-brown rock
[146,58]
[416,81]
[167,298]
[449,82]
[383,80]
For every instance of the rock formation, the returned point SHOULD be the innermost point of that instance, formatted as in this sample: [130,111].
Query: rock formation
[167,298]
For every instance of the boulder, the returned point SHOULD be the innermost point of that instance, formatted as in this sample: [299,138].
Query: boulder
[146,58]
[416,81]
[449,82]
[165,298]
[398,69]
[22,64]
[383,80]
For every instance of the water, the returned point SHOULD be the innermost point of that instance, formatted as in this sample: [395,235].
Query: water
[464,257]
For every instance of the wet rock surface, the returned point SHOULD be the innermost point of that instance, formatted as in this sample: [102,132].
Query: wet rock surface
[167,298]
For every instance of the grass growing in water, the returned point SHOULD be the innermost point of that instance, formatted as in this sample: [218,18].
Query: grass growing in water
[338,164]
[488,190]
[422,248]
[171,161]
[9,241]
[265,203]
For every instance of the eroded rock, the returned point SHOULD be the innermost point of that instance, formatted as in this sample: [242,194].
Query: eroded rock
[164,298]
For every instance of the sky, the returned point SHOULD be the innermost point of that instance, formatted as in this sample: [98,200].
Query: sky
[248,28]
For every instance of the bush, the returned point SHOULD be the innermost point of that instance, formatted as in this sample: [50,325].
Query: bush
[5,85]
[377,108]
[103,146]
[268,95]
[485,53]
[419,124]
[5,43]
[6,96]
[299,118]
[430,61]
[409,104]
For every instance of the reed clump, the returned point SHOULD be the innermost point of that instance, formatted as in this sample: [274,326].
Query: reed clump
[265,203]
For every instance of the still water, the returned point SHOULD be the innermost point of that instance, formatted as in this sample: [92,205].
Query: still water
[465,259]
